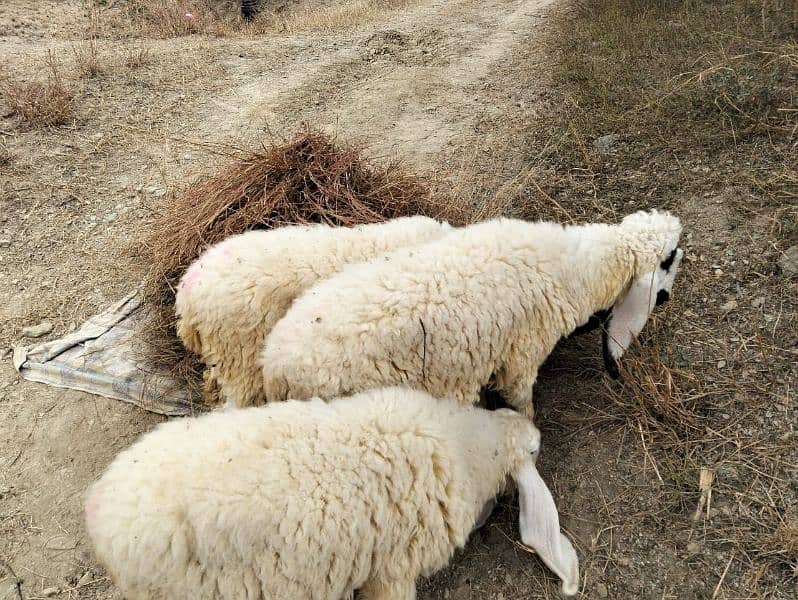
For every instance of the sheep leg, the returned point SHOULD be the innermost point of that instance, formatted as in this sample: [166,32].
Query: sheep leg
[389,589]
[519,394]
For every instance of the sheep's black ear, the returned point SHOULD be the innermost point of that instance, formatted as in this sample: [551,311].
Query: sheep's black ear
[665,265]
[609,362]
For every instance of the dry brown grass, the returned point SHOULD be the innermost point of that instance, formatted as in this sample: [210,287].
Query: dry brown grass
[702,100]
[41,103]
[307,179]
[137,57]
[335,17]
[186,17]
[183,17]
[87,59]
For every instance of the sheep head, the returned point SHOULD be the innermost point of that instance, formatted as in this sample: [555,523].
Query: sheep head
[653,237]
[649,240]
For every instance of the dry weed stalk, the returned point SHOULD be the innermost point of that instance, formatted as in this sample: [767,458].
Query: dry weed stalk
[137,57]
[41,104]
[87,59]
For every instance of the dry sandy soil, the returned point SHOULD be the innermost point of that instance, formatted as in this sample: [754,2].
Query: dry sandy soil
[444,85]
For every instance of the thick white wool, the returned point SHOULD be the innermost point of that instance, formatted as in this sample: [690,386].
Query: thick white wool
[231,296]
[487,302]
[312,499]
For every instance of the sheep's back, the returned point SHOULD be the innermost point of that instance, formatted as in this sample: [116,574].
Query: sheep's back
[440,316]
[293,502]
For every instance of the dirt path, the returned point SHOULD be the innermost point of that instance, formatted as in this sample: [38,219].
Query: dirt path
[427,83]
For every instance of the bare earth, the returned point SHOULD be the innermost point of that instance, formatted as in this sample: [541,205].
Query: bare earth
[437,83]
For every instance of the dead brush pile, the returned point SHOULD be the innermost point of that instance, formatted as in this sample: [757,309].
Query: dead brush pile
[306,179]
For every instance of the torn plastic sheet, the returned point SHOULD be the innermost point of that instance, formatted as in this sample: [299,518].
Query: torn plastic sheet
[102,357]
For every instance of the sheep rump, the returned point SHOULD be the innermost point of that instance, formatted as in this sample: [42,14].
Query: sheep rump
[486,303]
[308,499]
[231,296]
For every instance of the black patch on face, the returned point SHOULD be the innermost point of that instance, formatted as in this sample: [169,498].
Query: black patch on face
[665,265]
[609,362]
[662,297]
[596,320]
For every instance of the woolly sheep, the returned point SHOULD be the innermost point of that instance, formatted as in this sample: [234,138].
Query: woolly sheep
[232,295]
[315,499]
[486,304]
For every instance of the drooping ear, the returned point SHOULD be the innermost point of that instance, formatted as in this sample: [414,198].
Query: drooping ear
[629,315]
[540,527]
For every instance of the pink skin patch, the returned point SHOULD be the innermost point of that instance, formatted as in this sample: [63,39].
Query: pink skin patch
[189,279]
[193,273]
[92,504]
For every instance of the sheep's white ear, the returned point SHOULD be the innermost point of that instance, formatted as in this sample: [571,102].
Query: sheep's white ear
[540,527]
[628,317]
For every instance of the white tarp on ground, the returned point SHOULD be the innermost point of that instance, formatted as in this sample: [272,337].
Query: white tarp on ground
[101,357]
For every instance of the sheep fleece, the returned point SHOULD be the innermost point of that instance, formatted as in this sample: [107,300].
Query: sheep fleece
[487,300]
[303,499]
[231,296]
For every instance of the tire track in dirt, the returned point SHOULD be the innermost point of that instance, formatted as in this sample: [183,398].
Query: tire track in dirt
[407,86]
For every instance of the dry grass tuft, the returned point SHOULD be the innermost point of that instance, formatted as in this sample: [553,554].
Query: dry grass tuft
[183,17]
[337,16]
[137,57]
[652,394]
[306,179]
[41,104]
[87,59]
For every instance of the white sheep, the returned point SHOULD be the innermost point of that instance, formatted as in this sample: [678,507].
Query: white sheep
[485,304]
[232,295]
[315,499]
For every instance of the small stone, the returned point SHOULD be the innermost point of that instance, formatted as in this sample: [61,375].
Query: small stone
[51,591]
[728,306]
[789,262]
[718,272]
[721,364]
[601,590]
[605,143]
[85,579]
[37,331]
[5,243]
[693,548]
[758,302]
[160,193]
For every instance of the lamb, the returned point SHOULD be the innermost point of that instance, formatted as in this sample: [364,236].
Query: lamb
[314,499]
[232,295]
[484,305]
